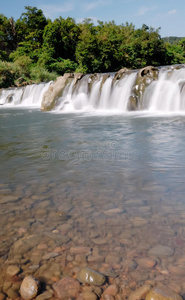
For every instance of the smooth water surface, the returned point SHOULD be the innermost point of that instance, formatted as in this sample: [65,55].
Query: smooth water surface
[118,178]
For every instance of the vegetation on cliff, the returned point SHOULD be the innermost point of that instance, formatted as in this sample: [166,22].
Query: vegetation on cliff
[35,49]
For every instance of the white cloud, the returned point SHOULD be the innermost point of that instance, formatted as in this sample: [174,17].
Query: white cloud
[53,11]
[95,4]
[172,12]
[144,10]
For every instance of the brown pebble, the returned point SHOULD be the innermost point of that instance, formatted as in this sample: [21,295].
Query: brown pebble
[29,288]
[177,270]
[162,293]
[81,258]
[66,287]
[87,295]
[12,294]
[2,296]
[44,296]
[7,285]
[108,297]
[140,293]
[111,290]
[12,270]
[80,250]
[145,262]
[110,259]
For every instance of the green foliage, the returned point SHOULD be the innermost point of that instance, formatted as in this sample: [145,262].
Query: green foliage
[7,36]
[172,39]
[45,58]
[23,63]
[147,48]
[8,73]
[39,49]
[62,36]
[40,74]
[64,66]
[175,54]
[87,52]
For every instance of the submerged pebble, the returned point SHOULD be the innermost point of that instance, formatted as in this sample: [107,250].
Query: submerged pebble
[163,293]
[12,270]
[161,250]
[87,275]
[29,288]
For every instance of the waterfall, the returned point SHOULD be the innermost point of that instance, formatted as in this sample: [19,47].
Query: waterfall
[151,89]
[31,95]
[107,95]
[167,94]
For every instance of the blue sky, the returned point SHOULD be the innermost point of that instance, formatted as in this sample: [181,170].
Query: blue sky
[167,14]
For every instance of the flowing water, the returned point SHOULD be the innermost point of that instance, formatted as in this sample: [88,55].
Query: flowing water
[113,183]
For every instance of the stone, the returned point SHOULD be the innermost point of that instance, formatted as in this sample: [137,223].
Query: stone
[113,211]
[177,270]
[12,270]
[8,198]
[80,250]
[50,255]
[87,295]
[96,258]
[146,262]
[2,296]
[66,287]
[44,296]
[81,258]
[87,275]
[55,90]
[140,293]
[140,276]
[118,75]
[29,288]
[101,241]
[111,290]
[112,258]
[132,103]
[108,297]
[12,293]
[162,293]
[7,285]
[144,77]
[161,251]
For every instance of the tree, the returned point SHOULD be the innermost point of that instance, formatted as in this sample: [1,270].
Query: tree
[87,52]
[29,31]
[7,36]
[147,47]
[62,35]
[175,54]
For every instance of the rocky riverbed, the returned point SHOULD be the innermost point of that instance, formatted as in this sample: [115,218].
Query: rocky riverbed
[58,237]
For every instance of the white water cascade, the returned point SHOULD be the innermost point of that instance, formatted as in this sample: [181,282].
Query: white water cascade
[31,95]
[107,95]
[105,92]
[167,94]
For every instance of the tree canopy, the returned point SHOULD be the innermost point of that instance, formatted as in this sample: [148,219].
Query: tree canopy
[34,42]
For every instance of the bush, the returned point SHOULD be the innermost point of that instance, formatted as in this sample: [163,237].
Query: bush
[40,74]
[64,66]
[23,63]
[8,73]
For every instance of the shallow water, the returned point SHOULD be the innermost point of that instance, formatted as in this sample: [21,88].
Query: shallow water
[113,183]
